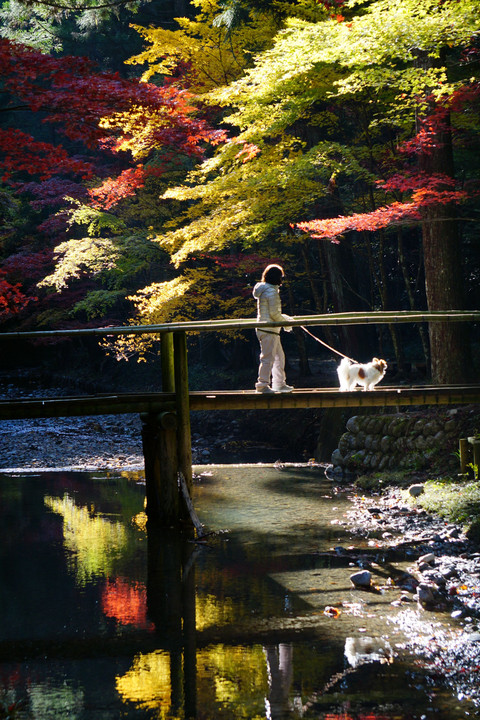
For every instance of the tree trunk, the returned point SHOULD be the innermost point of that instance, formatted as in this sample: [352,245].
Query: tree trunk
[411,298]
[449,342]
[304,366]
[340,262]
[450,355]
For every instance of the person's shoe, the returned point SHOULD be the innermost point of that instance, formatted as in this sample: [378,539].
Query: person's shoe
[283,388]
[265,389]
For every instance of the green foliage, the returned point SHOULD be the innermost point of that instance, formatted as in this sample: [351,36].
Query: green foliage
[254,195]
[373,482]
[30,26]
[92,28]
[96,221]
[194,295]
[117,261]
[99,303]
[10,207]
[457,502]
[75,257]
[116,258]
[218,43]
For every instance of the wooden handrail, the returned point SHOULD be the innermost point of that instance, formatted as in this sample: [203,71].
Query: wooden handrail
[347,318]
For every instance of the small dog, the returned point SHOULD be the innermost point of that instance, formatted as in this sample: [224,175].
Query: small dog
[352,374]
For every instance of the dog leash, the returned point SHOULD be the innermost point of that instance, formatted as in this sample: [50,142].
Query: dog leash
[327,346]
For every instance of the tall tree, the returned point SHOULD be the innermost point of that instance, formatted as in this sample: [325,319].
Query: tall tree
[131,133]
[332,99]
[435,197]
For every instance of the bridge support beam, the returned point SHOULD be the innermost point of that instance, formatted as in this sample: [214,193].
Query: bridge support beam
[166,438]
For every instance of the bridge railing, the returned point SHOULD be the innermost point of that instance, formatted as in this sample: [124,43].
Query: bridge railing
[346,318]
[166,435]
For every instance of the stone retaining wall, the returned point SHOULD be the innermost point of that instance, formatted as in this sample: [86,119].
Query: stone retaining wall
[376,443]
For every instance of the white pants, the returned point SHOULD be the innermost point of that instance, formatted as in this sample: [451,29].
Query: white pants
[272,360]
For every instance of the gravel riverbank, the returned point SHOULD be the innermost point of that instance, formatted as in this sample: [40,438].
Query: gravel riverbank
[106,442]
[436,569]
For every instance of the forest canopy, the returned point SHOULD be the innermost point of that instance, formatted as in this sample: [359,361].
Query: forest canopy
[338,138]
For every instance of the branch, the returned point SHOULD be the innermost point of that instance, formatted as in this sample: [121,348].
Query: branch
[15,107]
[75,8]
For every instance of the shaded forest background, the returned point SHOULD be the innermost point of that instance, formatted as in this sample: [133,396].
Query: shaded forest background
[157,155]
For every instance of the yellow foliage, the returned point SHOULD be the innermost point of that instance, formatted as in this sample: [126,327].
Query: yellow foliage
[216,55]
[147,683]
[75,256]
[251,201]
[160,302]
[192,296]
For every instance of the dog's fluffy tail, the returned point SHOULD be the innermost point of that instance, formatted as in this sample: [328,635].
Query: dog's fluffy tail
[343,372]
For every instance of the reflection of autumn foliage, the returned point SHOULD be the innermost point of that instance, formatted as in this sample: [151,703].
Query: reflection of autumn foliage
[126,603]
[232,682]
[93,541]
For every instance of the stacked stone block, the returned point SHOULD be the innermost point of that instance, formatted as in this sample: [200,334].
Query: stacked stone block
[394,442]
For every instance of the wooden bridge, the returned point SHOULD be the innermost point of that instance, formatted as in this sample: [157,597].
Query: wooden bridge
[166,415]
[157,402]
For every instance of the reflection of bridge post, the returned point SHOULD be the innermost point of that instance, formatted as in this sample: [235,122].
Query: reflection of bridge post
[189,631]
[166,437]
[171,599]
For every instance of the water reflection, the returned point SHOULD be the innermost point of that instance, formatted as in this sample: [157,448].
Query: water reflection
[104,619]
[91,540]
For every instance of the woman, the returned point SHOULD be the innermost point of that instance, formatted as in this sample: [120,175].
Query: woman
[269,309]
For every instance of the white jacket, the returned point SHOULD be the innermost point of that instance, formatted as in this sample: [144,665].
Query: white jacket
[269,307]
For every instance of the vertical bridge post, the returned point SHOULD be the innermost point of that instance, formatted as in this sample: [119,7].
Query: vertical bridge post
[184,439]
[166,437]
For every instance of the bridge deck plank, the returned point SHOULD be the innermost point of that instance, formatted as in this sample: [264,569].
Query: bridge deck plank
[402,396]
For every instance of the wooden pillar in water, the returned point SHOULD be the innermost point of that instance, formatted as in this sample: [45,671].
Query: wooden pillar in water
[159,438]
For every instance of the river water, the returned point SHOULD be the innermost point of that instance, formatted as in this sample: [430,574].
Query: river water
[104,618]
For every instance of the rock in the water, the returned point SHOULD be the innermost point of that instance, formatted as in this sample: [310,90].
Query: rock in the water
[363,578]
[428,596]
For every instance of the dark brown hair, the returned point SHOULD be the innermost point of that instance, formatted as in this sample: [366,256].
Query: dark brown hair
[273,274]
